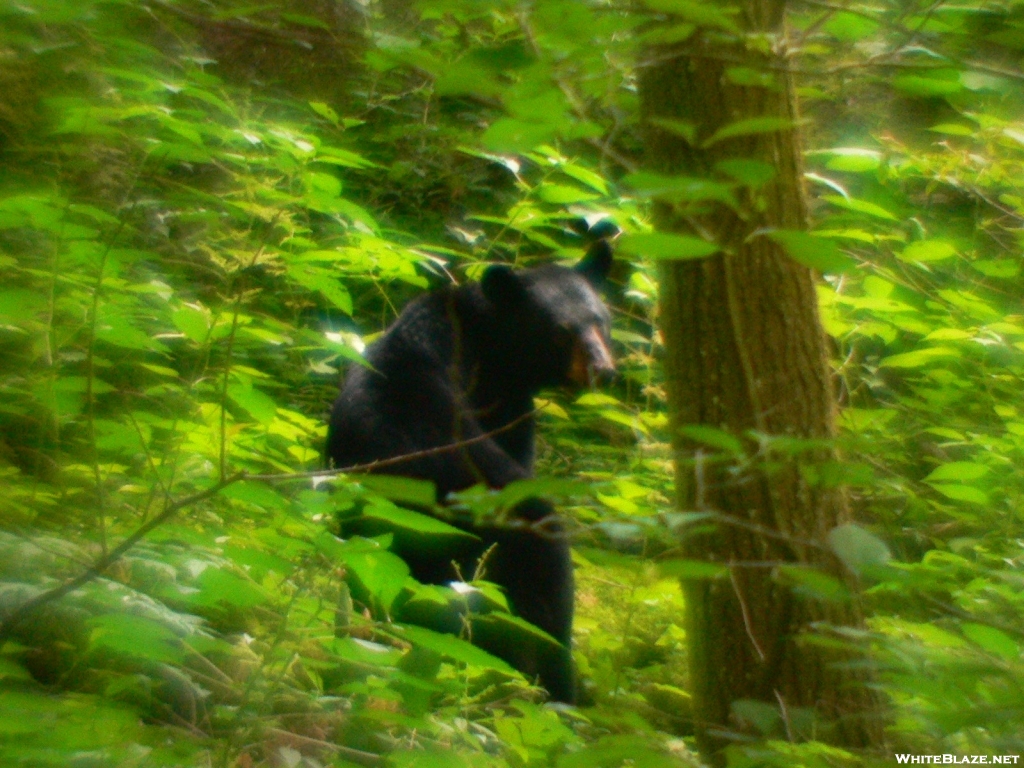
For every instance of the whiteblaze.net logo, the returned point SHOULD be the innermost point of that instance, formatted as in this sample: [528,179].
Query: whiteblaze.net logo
[907,759]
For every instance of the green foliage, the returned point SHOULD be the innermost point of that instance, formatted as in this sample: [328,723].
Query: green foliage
[206,211]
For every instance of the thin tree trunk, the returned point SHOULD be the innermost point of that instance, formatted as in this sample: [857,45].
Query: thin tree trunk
[745,351]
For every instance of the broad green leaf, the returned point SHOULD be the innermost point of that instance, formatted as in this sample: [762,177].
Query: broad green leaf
[749,127]
[452,648]
[597,399]
[382,573]
[561,194]
[400,489]
[993,640]
[413,521]
[860,206]
[323,281]
[426,758]
[304,20]
[679,188]
[619,504]
[712,436]
[944,82]
[253,492]
[681,128]
[857,548]
[194,322]
[254,402]
[692,569]
[625,419]
[814,584]
[510,135]
[953,129]
[1002,268]
[852,159]
[661,245]
[962,493]
[815,252]
[928,250]
[699,13]
[218,585]
[324,110]
[508,626]
[750,173]
[919,357]
[585,176]
[130,635]
[366,652]
[850,27]
[958,471]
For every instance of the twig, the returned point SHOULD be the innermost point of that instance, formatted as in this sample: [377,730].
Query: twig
[390,462]
[748,624]
[355,755]
[106,560]
[97,568]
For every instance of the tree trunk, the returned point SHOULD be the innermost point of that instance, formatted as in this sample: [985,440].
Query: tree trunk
[745,351]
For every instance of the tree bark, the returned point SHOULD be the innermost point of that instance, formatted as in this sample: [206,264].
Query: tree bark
[746,353]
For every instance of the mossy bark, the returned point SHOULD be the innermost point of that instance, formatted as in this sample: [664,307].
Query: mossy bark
[746,353]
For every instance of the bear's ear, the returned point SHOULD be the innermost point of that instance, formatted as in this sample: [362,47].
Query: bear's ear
[597,263]
[501,285]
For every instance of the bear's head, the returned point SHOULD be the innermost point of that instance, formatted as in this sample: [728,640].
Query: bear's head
[554,327]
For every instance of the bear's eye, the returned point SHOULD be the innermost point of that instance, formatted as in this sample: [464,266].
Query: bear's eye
[563,336]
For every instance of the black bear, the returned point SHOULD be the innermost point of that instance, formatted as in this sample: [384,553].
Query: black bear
[465,362]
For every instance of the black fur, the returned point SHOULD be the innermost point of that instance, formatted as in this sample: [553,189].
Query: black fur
[463,362]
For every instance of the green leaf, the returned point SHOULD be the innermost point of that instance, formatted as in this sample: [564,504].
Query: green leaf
[507,625]
[366,652]
[325,111]
[850,159]
[426,758]
[413,521]
[750,127]
[850,27]
[750,173]
[999,268]
[919,357]
[404,490]
[681,128]
[928,250]
[560,194]
[938,82]
[699,13]
[814,584]
[857,548]
[959,471]
[510,135]
[193,322]
[661,245]
[585,176]
[962,493]
[993,640]
[452,648]
[691,569]
[815,252]
[254,402]
[342,157]
[716,438]
[218,585]
[382,573]
[256,493]
[135,636]
[679,188]
[860,206]
[324,282]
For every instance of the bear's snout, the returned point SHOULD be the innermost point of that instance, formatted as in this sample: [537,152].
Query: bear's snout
[592,361]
